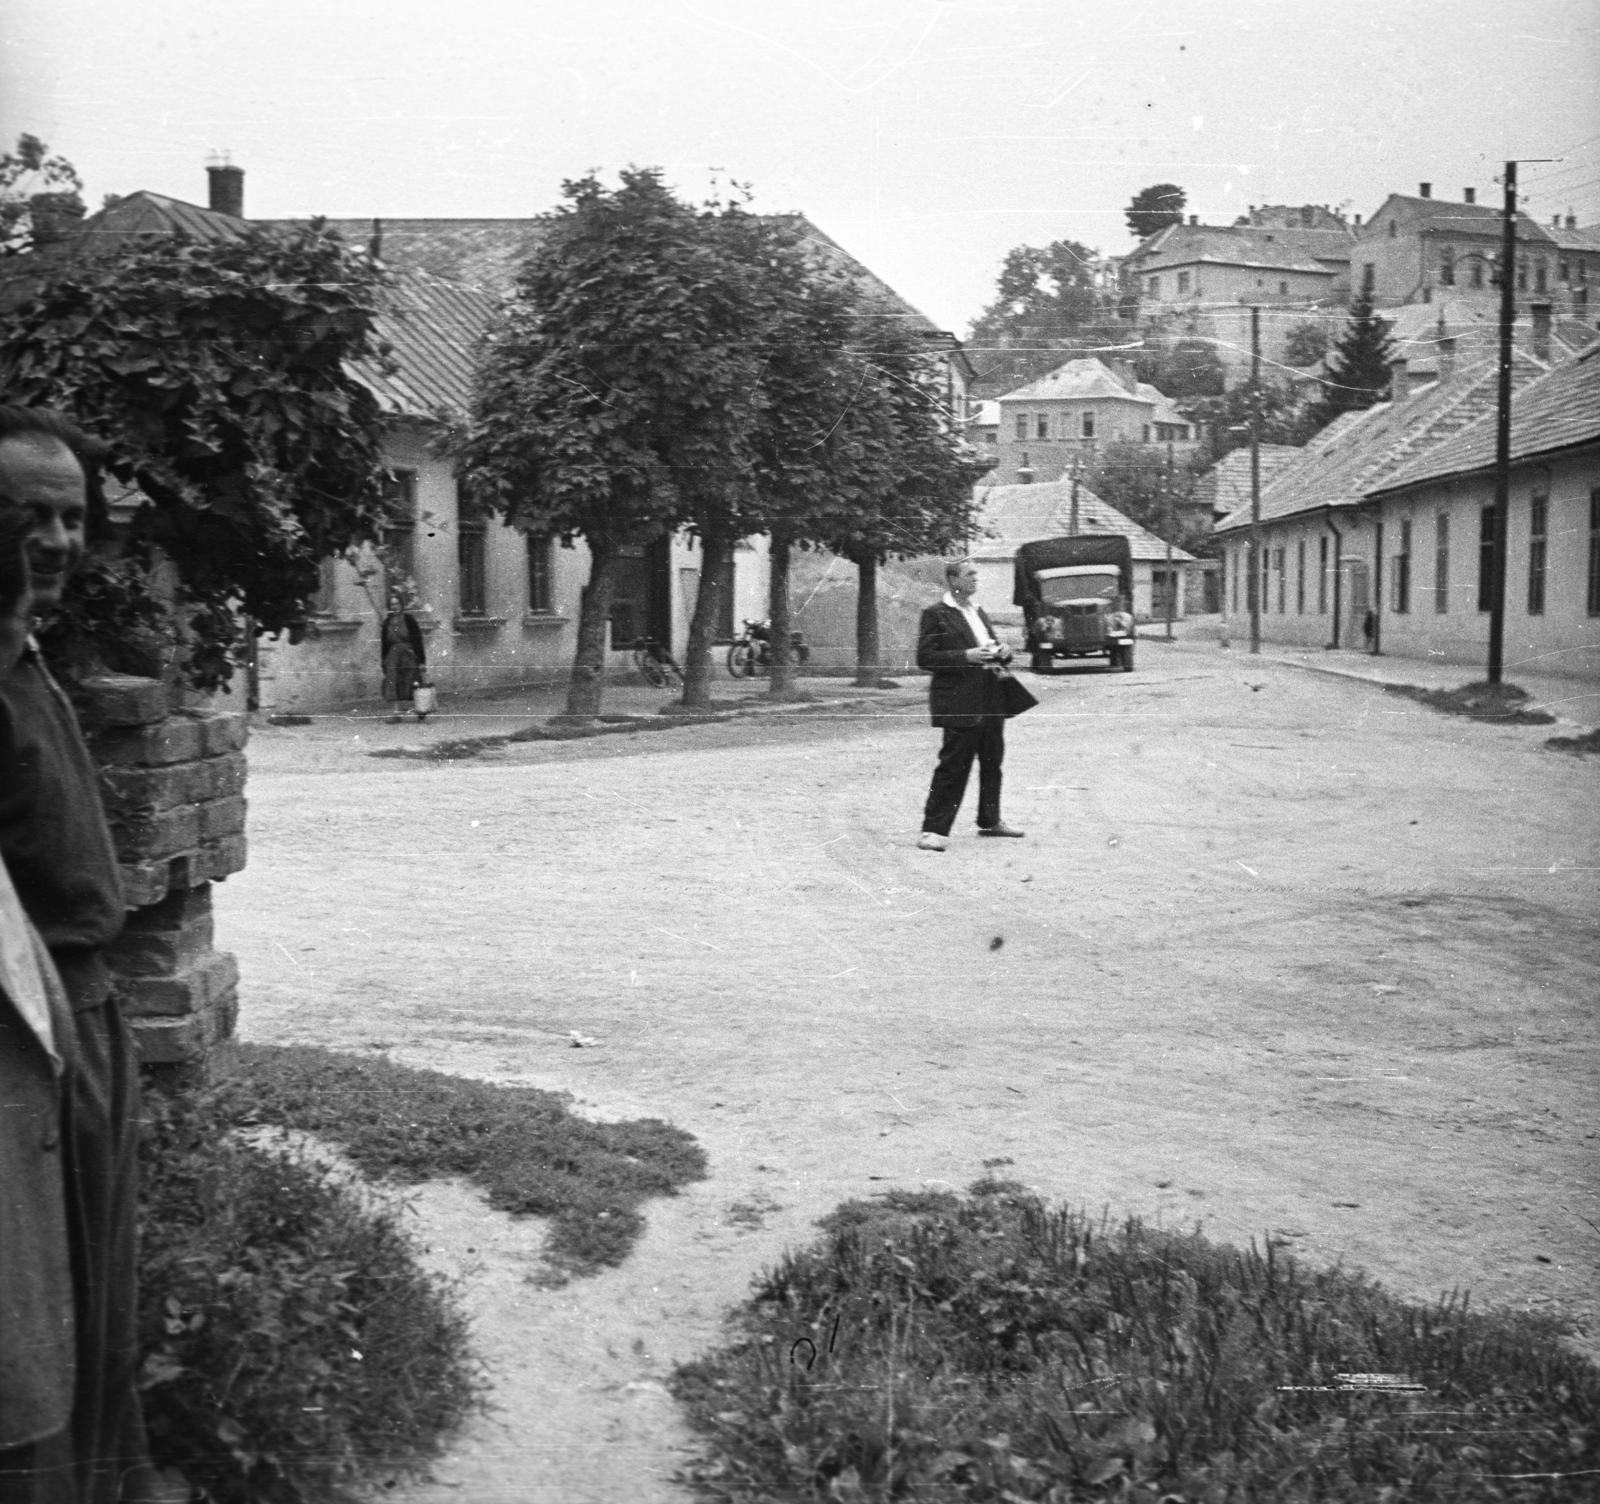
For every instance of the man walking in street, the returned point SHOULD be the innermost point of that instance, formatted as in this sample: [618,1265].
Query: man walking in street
[58,855]
[957,644]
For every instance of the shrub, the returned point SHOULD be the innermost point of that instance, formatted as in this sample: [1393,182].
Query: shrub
[991,1348]
[292,1344]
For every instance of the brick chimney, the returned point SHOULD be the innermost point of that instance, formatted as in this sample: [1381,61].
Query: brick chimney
[1572,221]
[226,189]
[1470,195]
[1194,219]
[1447,357]
[1399,380]
[1424,190]
[1539,339]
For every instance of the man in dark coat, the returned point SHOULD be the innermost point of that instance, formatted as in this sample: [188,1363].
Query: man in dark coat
[59,859]
[957,644]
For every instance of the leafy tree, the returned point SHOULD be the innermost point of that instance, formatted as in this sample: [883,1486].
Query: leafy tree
[1358,373]
[1137,481]
[1154,208]
[915,475]
[1048,302]
[222,375]
[1183,369]
[611,403]
[31,178]
[1283,417]
[1305,344]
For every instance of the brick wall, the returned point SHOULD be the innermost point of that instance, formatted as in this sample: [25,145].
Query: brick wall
[172,781]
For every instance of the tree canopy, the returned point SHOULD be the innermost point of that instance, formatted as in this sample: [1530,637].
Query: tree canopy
[1358,370]
[29,177]
[1048,303]
[222,376]
[1154,208]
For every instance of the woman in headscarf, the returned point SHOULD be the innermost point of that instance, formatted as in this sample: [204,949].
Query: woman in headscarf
[404,659]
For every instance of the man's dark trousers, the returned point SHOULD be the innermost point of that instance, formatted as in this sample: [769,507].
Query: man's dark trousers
[985,741]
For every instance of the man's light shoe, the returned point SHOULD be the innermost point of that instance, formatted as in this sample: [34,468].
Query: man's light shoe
[932,841]
[1001,829]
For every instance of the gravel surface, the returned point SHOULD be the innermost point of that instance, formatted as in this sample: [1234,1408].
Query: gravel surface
[1279,952]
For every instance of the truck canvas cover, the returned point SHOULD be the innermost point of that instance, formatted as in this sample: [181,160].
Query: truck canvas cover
[1057,553]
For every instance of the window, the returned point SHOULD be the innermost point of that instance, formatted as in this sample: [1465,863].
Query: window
[1522,276]
[1233,577]
[1393,231]
[399,543]
[1583,271]
[1538,515]
[1283,584]
[1283,289]
[1485,559]
[471,547]
[1183,283]
[1088,425]
[1147,433]
[1322,575]
[1476,275]
[1300,578]
[540,596]
[1541,278]
[1564,271]
[1447,265]
[1154,287]
[1400,572]
[1022,425]
[1594,551]
[1369,276]
[1043,431]
[1441,563]
[1264,585]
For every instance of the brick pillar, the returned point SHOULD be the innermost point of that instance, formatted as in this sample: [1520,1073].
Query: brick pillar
[173,787]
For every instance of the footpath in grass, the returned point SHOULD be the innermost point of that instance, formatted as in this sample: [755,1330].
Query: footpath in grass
[521,1146]
[939,1348]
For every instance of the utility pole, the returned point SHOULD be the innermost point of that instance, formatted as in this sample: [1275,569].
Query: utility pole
[1172,583]
[1502,432]
[1255,480]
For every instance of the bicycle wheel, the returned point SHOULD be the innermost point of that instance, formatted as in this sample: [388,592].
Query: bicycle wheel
[742,661]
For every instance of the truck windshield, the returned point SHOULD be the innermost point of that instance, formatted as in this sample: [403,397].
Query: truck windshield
[1090,585]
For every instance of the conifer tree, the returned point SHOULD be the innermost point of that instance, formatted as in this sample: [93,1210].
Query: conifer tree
[1358,373]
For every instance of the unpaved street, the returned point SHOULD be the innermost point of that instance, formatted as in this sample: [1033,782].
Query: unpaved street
[1279,952]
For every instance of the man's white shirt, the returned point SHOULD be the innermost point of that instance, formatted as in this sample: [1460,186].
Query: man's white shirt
[980,628]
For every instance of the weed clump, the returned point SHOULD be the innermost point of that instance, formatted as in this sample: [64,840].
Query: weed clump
[1503,704]
[520,1145]
[940,1348]
[292,1344]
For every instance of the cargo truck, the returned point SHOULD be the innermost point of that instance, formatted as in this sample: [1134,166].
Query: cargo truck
[1076,596]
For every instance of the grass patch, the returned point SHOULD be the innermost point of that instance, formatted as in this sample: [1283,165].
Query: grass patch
[939,1348]
[1588,741]
[521,1146]
[1501,703]
[293,1347]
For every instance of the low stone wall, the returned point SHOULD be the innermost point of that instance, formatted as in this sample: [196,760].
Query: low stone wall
[172,782]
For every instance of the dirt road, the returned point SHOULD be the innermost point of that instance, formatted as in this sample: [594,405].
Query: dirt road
[1279,952]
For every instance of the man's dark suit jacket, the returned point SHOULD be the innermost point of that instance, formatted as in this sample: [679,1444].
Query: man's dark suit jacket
[960,694]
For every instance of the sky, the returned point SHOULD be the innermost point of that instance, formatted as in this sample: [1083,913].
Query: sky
[926,136]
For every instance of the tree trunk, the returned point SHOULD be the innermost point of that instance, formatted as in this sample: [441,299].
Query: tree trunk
[783,666]
[869,654]
[716,557]
[594,620]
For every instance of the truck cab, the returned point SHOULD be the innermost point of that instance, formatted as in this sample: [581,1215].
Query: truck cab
[1075,594]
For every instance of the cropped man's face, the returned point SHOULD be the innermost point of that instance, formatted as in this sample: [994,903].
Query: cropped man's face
[41,475]
[964,581]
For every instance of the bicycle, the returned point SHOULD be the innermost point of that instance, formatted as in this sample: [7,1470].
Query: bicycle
[656,664]
[751,652]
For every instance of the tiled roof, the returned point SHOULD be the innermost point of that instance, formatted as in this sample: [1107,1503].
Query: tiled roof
[1580,238]
[482,254]
[144,214]
[1225,487]
[1077,379]
[1380,442]
[1243,245]
[1556,411]
[1012,515]
[1444,217]
[435,326]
